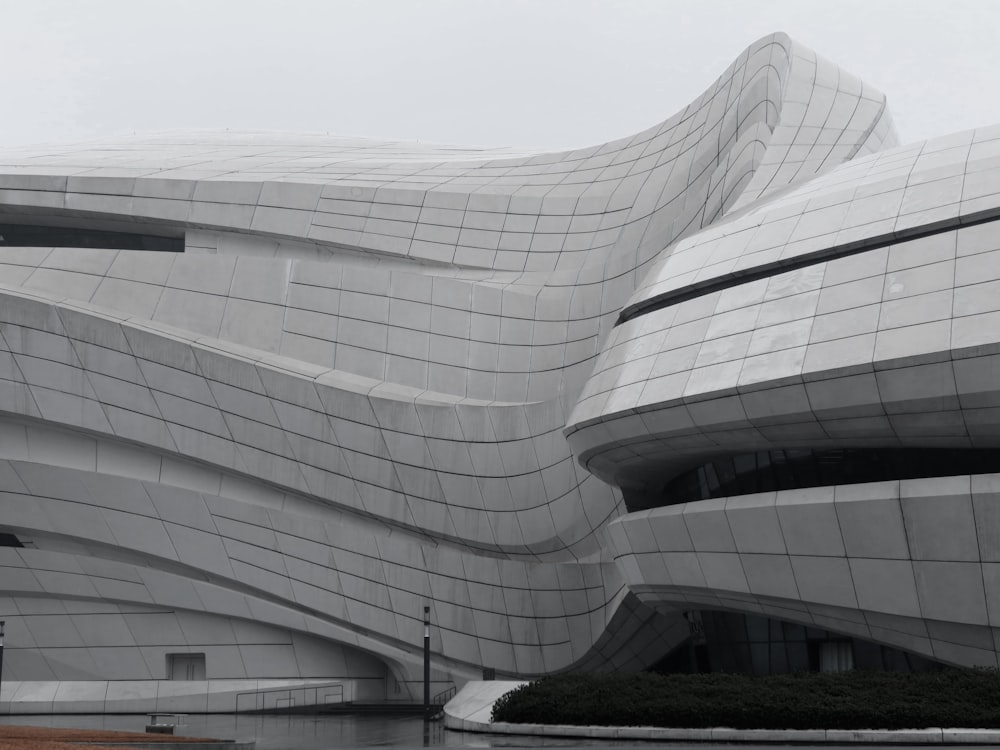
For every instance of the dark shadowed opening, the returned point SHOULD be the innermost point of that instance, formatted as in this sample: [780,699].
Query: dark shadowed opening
[771,471]
[29,235]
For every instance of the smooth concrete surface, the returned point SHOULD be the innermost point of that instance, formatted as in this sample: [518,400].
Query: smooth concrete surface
[469,711]
[474,702]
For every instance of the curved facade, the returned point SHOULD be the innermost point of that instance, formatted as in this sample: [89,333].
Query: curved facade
[266,397]
[799,403]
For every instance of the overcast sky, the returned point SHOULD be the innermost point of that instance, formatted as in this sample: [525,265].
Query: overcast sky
[526,73]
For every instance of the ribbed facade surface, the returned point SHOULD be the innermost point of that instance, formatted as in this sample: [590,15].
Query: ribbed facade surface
[263,398]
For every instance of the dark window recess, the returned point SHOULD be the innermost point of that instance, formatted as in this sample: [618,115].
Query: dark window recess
[27,235]
[751,644]
[9,540]
[769,471]
[186,666]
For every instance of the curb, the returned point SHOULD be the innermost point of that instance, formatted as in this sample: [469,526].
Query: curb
[933,736]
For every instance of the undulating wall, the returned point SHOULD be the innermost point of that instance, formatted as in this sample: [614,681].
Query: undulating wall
[348,397]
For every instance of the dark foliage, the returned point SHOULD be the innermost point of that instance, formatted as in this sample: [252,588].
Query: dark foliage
[806,700]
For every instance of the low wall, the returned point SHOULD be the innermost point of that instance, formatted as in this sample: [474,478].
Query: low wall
[190,697]
[469,710]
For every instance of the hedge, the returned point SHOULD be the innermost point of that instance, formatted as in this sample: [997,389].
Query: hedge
[806,700]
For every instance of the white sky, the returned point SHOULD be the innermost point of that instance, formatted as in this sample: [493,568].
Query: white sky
[528,73]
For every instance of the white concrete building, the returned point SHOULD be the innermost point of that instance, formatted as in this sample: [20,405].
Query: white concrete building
[264,397]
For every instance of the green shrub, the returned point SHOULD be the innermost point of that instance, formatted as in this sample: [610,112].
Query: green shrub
[806,700]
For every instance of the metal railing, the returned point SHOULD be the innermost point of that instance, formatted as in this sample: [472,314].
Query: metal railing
[279,699]
[444,696]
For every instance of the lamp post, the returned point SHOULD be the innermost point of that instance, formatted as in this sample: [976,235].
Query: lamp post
[2,623]
[427,663]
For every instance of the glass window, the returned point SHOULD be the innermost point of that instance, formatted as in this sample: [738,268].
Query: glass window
[794,469]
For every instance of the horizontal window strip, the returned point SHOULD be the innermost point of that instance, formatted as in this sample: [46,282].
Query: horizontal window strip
[766,270]
[30,235]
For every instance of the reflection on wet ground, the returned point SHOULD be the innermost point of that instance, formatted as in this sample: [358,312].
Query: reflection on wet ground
[316,732]
[291,732]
